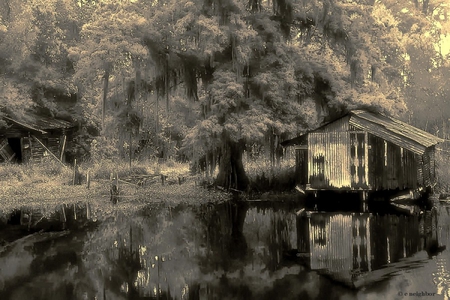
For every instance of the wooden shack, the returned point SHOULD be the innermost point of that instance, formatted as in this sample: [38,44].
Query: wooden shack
[365,151]
[32,138]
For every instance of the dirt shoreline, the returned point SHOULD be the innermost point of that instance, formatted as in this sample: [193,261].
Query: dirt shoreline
[45,195]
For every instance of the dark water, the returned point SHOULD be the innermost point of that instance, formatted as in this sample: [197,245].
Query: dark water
[260,250]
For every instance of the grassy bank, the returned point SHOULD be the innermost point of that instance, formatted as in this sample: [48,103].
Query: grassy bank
[50,184]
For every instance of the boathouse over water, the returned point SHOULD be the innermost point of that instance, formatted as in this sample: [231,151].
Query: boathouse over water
[365,151]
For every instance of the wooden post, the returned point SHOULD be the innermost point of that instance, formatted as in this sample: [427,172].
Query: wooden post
[63,214]
[88,211]
[74,171]
[88,179]
[114,190]
[131,142]
[63,147]
[31,147]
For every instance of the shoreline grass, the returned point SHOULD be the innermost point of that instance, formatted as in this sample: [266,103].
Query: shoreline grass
[50,184]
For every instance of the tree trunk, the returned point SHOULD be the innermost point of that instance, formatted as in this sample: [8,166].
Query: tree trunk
[238,247]
[231,169]
[105,93]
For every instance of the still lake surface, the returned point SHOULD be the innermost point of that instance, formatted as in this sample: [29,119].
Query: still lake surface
[251,250]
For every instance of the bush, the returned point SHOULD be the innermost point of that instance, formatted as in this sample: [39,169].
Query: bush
[103,149]
[264,177]
[12,172]
[47,169]
[103,169]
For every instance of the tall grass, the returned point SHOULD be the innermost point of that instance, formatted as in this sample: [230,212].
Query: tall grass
[44,171]
[53,171]
[102,169]
[265,177]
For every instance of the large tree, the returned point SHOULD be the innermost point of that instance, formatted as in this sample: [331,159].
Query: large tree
[268,69]
[255,71]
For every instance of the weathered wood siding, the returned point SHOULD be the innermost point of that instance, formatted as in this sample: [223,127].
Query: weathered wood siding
[358,160]
[366,151]
[6,153]
[338,160]
[301,166]
[390,166]
[428,167]
[32,151]
[340,125]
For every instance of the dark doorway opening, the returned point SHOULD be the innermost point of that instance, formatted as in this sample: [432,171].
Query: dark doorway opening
[15,145]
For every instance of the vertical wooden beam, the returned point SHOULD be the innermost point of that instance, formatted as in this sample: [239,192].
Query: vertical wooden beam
[21,148]
[366,157]
[74,171]
[88,179]
[63,147]
[51,153]
[31,147]
[309,160]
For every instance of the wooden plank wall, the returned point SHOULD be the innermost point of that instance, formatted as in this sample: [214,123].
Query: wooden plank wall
[301,166]
[390,166]
[340,125]
[428,167]
[358,160]
[329,160]
[35,152]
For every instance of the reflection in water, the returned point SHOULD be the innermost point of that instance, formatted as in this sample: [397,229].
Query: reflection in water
[352,246]
[234,250]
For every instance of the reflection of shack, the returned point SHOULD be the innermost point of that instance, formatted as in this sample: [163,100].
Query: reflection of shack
[351,246]
[32,137]
[365,151]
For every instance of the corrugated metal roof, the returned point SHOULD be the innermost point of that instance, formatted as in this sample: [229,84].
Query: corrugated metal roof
[387,128]
[394,131]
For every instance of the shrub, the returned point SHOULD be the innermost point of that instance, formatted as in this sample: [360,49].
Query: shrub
[264,177]
[43,171]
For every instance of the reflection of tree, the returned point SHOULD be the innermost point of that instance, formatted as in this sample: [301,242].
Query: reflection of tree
[268,233]
[147,254]
[189,252]
[223,225]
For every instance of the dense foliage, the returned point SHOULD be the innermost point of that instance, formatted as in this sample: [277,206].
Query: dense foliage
[206,80]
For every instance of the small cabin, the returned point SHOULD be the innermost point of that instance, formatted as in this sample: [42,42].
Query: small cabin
[32,138]
[365,151]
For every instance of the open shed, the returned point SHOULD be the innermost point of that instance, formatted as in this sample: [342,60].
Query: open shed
[32,138]
[365,151]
